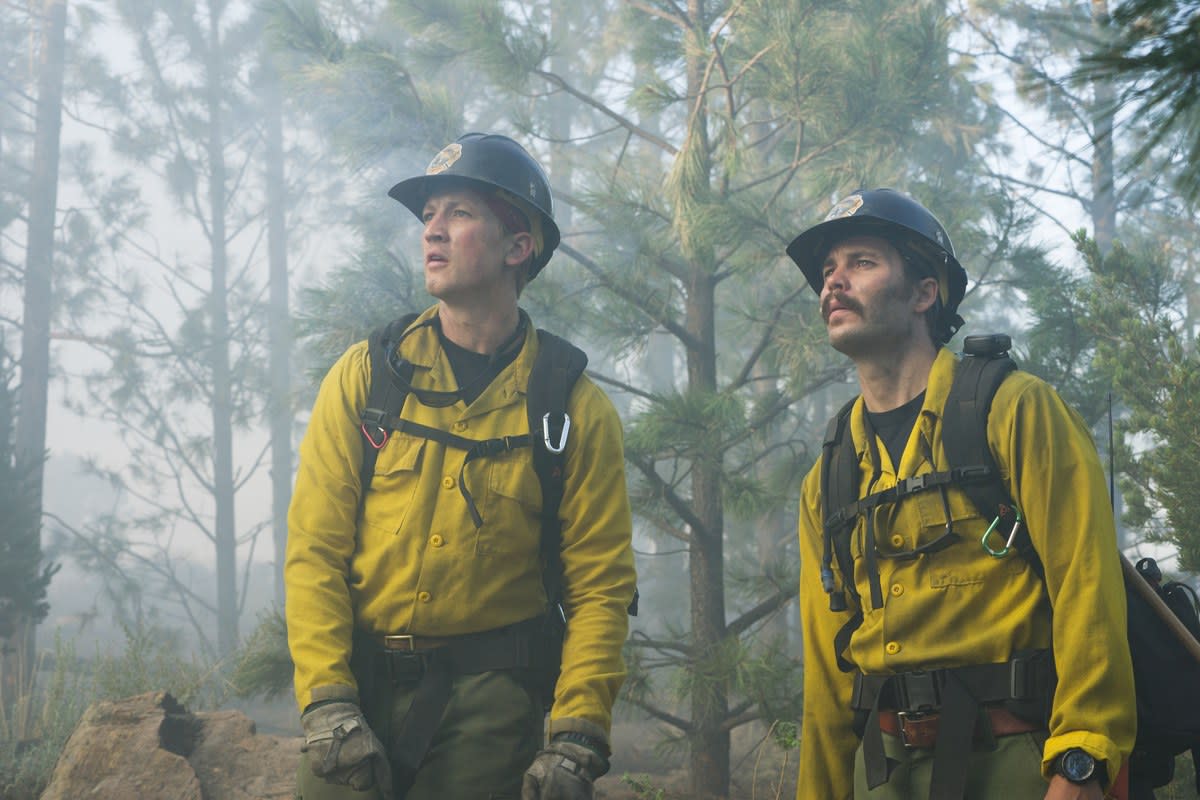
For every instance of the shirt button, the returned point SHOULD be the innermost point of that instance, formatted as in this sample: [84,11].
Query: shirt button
[897,590]
[447,482]
[436,540]
[460,426]
[892,648]
[897,541]
[424,597]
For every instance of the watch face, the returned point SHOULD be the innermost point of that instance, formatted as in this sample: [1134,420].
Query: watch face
[1077,766]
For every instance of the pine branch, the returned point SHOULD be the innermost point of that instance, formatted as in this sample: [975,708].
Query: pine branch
[677,503]
[634,299]
[761,611]
[768,336]
[639,639]
[676,16]
[591,102]
[739,719]
[662,716]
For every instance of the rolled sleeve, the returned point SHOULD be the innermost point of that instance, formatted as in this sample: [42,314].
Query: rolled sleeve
[598,566]
[322,521]
[1058,483]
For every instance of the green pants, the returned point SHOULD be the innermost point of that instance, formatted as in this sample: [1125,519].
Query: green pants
[492,729]
[1012,770]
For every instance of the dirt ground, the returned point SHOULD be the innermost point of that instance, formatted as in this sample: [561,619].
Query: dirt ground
[640,768]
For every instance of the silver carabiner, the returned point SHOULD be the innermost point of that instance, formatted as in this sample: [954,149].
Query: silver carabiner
[562,438]
[1012,535]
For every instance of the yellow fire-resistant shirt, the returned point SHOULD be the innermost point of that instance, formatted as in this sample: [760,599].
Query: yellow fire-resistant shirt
[961,606]
[417,564]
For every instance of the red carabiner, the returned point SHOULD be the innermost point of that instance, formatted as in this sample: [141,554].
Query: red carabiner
[371,439]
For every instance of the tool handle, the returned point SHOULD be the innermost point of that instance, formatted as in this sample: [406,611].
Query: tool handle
[1141,586]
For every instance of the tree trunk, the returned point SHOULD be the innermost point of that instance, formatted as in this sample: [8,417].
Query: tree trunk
[560,113]
[706,564]
[1104,200]
[225,531]
[38,302]
[280,331]
[709,757]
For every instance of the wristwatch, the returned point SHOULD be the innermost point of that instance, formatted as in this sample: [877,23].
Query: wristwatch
[1078,766]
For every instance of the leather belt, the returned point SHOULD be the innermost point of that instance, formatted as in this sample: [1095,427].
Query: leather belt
[918,731]
[406,643]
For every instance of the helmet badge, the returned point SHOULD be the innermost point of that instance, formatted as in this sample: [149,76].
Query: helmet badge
[846,207]
[445,159]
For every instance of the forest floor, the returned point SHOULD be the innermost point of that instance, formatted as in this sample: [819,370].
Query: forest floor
[643,769]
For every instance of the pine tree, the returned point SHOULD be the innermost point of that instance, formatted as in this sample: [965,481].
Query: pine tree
[183,342]
[1127,307]
[24,574]
[1151,51]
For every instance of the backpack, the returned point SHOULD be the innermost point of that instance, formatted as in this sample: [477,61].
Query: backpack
[555,370]
[1166,675]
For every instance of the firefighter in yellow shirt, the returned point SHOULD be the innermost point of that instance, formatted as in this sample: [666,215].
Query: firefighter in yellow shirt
[416,609]
[930,671]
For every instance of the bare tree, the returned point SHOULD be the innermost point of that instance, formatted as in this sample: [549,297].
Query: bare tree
[184,339]
[30,442]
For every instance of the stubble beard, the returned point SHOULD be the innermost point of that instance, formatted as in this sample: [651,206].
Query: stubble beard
[870,337]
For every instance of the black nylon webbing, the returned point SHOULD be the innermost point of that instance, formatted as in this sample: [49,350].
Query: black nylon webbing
[509,648]
[475,448]
[958,695]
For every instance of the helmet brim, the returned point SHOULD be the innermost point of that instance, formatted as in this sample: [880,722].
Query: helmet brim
[809,249]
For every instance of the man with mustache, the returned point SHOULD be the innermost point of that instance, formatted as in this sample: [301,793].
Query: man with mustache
[931,650]
[417,600]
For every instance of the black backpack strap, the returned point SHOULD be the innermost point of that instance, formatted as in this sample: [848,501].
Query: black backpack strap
[964,436]
[840,480]
[385,397]
[555,371]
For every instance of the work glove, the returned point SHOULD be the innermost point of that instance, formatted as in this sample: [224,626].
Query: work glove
[563,771]
[343,749]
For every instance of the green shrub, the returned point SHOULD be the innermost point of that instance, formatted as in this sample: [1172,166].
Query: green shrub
[34,731]
[152,661]
[264,664]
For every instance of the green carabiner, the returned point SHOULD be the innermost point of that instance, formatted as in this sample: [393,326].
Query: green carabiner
[1012,535]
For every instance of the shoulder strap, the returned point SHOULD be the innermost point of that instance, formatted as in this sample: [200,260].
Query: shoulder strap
[385,398]
[555,371]
[964,436]
[839,468]
[839,488]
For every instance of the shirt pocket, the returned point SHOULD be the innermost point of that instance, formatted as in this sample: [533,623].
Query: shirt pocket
[394,484]
[963,564]
[512,508]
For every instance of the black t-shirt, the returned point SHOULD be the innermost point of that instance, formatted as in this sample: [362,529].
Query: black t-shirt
[895,426]
[475,371]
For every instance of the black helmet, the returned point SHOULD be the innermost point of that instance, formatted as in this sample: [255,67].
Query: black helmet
[904,222]
[500,163]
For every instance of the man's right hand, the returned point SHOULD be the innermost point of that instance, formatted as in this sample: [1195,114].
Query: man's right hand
[343,749]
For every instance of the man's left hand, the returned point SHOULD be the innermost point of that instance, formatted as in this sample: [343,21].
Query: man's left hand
[1063,789]
[563,771]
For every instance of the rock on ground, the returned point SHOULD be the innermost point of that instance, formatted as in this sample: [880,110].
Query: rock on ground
[150,746]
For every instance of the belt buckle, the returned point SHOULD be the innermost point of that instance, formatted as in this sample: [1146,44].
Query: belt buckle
[916,717]
[404,666]
[401,642]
